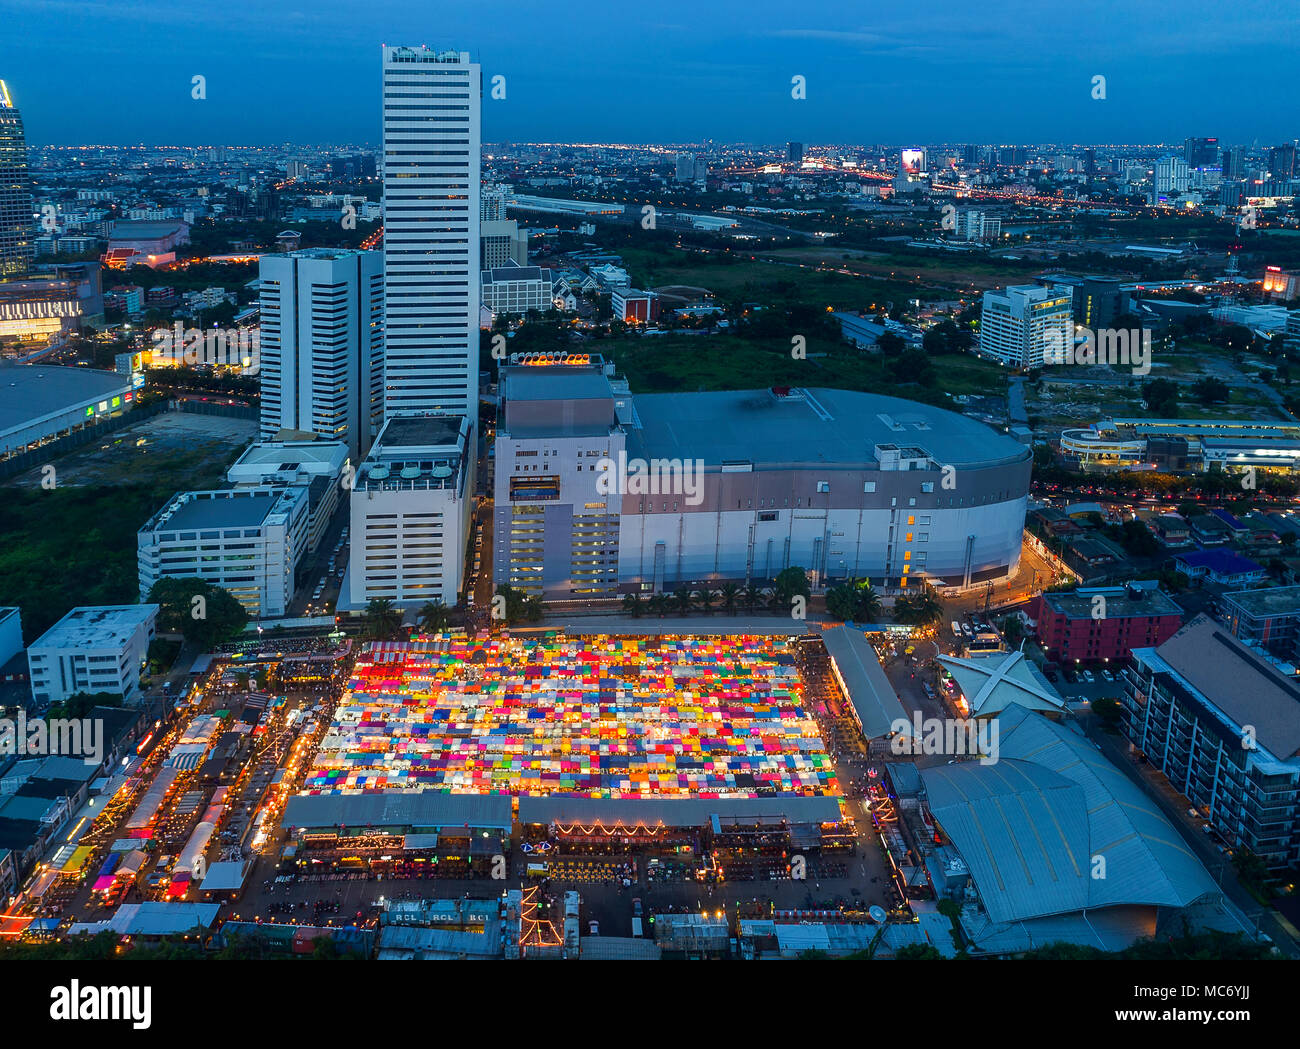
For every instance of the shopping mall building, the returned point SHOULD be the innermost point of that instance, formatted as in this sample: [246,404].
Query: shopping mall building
[599,493]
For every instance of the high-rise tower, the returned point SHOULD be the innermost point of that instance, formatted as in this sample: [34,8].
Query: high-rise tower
[15,192]
[431,230]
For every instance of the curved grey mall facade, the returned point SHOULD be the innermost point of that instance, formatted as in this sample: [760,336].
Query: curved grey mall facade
[842,484]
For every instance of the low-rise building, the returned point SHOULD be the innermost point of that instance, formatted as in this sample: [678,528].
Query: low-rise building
[96,648]
[517,289]
[245,540]
[322,467]
[1268,617]
[1219,566]
[633,306]
[1103,624]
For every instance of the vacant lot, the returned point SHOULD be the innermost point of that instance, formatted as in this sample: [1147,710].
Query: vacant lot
[76,544]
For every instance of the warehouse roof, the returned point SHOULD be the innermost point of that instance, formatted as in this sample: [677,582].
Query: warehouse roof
[1032,825]
[398,809]
[873,697]
[162,919]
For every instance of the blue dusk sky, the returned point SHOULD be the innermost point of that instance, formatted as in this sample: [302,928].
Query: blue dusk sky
[1010,71]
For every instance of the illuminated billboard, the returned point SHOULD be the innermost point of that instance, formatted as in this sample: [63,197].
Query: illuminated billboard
[912,162]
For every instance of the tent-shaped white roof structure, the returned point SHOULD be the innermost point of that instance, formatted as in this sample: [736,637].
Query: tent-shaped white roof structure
[993,682]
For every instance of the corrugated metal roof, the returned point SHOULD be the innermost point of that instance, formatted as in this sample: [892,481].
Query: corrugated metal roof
[1030,826]
[870,692]
[427,809]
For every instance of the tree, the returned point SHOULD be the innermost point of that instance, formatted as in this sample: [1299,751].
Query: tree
[854,600]
[434,617]
[705,598]
[730,592]
[681,601]
[891,344]
[918,952]
[1209,390]
[1161,396]
[789,583]
[923,607]
[658,604]
[520,607]
[632,605]
[204,613]
[382,620]
[753,596]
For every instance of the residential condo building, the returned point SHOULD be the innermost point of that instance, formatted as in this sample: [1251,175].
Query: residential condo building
[322,345]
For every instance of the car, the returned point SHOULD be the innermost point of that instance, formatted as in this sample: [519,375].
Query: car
[965,629]
[636,906]
[956,629]
[1193,813]
[1106,675]
[1088,677]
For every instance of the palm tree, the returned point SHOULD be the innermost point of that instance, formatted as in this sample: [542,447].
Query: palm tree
[434,617]
[866,602]
[682,600]
[658,604]
[729,593]
[922,608]
[632,605]
[382,619]
[753,596]
[704,597]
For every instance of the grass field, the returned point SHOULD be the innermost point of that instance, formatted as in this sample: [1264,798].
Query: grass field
[734,277]
[672,363]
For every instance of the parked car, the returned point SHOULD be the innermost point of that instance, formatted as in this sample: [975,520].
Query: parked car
[1088,677]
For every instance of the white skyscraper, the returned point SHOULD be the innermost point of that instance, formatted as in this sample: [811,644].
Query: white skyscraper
[322,345]
[431,230]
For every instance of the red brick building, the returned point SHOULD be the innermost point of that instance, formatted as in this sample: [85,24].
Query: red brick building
[1105,623]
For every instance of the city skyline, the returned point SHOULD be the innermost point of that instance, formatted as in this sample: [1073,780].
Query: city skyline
[721,75]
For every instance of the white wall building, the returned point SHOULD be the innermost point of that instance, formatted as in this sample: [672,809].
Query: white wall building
[410,509]
[245,540]
[517,289]
[322,344]
[1020,324]
[322,467]
[431,177]
[974,224]
[1172,175]
[99,648]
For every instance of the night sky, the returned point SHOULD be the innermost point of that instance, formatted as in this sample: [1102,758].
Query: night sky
[1010,71]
